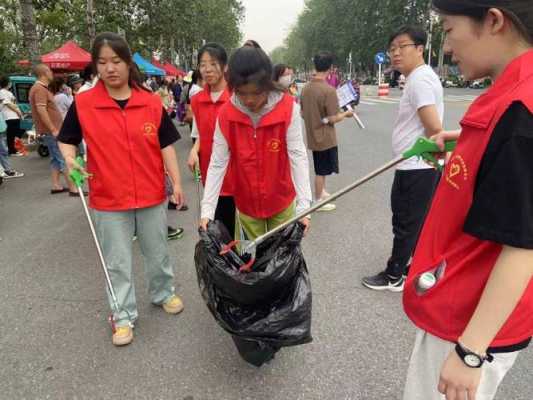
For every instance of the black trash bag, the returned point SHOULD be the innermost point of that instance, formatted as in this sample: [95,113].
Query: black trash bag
[265,309]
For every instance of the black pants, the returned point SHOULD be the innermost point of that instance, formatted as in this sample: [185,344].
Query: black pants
[13,131]
[412,192]
[225,213]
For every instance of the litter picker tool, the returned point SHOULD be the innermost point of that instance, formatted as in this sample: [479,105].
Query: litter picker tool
[423,148]
[79,179]
[197,179]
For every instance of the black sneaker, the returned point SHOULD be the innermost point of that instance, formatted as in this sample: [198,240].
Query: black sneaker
[383,281]
[174,234]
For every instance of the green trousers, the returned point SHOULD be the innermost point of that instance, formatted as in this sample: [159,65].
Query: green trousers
[250,228]
[115,232]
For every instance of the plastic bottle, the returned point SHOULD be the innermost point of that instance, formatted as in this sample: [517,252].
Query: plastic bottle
[425,282]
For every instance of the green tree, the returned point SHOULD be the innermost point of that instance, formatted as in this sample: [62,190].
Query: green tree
[279,55]
[360,27]
[170,27]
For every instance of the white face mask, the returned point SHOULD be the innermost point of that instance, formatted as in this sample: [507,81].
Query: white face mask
[285,81]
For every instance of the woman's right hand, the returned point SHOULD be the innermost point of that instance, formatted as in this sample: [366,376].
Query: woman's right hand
[72,165]
[443,136]
[203,223]
[193,160]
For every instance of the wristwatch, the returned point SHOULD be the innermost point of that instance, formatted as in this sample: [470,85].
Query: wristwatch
[471,359]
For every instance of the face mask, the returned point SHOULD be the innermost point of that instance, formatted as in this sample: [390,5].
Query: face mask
[285,81]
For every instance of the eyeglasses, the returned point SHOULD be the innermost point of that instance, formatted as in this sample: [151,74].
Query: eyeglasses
[392,50]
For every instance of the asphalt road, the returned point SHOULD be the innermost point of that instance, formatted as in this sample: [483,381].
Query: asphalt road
[55,341]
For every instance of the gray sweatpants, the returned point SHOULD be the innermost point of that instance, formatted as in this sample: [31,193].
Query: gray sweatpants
[115,232]
[427,359]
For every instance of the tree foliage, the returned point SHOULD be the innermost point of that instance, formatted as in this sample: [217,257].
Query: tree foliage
[360,27]
[170,27]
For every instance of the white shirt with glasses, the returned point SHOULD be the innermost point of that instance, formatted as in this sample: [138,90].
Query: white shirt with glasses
[422,88]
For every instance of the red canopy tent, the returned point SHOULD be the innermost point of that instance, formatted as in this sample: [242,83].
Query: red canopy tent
[172,70]
[69,57]
[169,69]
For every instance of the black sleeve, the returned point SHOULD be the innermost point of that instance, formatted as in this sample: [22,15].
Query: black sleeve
[70,132]
[168,134]
[502,207]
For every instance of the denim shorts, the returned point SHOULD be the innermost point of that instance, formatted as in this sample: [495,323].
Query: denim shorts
[56,159]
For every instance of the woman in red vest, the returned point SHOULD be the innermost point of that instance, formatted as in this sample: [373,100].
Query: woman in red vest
[258,135]
[130,144]
[470,288]
[212,64]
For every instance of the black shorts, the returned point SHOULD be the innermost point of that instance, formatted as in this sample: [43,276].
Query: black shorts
[326,162]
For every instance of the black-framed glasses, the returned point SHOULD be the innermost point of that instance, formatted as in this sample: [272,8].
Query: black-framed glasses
[392,50]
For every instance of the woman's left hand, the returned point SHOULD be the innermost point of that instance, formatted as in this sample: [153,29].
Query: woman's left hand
[305,221]
[457,381]
[179,198]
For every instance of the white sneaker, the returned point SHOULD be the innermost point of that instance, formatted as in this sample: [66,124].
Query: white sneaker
[328,207]
[12,174]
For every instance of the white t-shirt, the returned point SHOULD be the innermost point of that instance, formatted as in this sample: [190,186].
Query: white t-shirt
[63,103]
[195,89]
[422,88]
[6,97]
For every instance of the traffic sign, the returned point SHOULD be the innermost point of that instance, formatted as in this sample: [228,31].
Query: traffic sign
[380,58]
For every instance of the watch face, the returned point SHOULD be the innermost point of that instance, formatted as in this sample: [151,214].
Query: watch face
[472,361]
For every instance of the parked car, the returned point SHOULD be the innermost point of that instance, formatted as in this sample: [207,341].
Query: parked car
[477,84]
[20,86]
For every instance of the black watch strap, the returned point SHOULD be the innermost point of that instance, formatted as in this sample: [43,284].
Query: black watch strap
[471,359]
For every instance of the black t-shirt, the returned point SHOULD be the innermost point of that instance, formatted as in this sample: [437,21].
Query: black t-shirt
[71,133]
[502,207]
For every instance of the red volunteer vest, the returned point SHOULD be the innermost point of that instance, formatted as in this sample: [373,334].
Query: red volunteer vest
[205,114]
[446,309]
[259,158]
[123,155]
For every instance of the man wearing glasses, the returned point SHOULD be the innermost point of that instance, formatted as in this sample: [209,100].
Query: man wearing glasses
[420,114]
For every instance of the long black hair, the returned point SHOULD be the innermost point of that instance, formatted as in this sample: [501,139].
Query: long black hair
[122,49]
[250,65]
[520,12]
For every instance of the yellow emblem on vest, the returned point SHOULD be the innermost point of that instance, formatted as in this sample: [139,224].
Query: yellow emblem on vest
[274,145]
[457,171]
[149,129]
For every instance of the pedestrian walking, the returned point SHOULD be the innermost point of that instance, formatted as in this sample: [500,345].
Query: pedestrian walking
[6,170]
[47,120]
[11,114]
[320,110]
[130,144]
